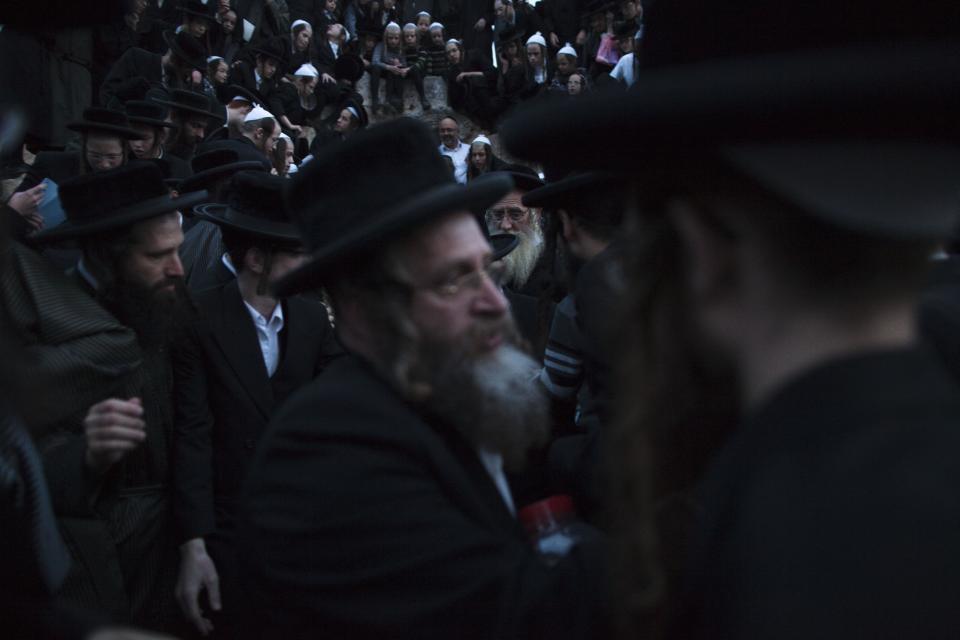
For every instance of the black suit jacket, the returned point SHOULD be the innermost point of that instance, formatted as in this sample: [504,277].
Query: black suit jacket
[326,58]
[130,78]
[832,512]
[362,519]
[224,398]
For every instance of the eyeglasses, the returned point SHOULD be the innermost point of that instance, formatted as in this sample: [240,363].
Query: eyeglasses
[471,281]
[96,158]
[497,215]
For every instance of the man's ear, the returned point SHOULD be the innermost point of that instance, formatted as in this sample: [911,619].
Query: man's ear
[710,254]
[567,226]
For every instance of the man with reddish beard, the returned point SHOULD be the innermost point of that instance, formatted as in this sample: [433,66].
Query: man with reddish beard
[377,505]
[108,469]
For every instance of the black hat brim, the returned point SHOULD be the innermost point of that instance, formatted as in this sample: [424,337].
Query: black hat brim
[503,244]
[201,179]
[126,133]
[70,230]
[224,216]
[818,97]
[198,63]
[435,203]
[153,122]
[178,106]
[561,192]
[523,181]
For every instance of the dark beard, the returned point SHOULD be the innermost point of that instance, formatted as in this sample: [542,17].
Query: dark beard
[493,399]
[156,315]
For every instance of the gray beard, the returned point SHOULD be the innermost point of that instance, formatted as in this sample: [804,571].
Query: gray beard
[521,262]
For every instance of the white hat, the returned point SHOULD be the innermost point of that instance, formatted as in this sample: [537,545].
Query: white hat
[568,50]
[481,138]
[537,38]
[391,26]
[297,23]
[212,58]
[353,111]
[258,113]
[454,41]
[409,26]
[423,13]
[242,99]
[436,25]
[307,70]
[286,137]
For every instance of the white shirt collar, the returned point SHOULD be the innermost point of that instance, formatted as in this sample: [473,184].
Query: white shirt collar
[228,263]
[493,463]
[86,275]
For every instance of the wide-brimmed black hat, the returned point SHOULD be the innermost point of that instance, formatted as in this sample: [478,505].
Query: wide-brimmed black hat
[354,196]
[508,34]
[187,48]
[271,48]
[147,112]
[214,165]
[255,207]
[234,90]
[574,186]
[105,121]
[851,120]
[349,66]
[197,8]
[190,102]
[106,200]
[524,178]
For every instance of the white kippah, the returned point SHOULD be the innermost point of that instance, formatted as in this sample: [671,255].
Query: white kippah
[568,50]
[454,41]
[212,58]
[391,26]
[436,25]
[297,23]
[409,26]
[423,13]
[482,138]
[537,38]
[258,113]
[307,70]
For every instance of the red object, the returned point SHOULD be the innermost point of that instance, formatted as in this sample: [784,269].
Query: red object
[547,515]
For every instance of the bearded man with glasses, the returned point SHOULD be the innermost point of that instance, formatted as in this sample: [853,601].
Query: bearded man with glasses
[384,478]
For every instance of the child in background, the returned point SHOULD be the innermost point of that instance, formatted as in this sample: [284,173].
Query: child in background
[423,27]
[566,66]
[434,54]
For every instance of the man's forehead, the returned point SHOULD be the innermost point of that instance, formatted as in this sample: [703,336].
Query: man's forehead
[162,229]
[454,238]
[513,199]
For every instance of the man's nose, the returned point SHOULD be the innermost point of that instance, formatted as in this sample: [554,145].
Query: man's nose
[174,268]
[491,300]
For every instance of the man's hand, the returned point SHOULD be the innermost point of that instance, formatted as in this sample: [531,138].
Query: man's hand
[113,428]
[394,69]
[327,78]
[26,203]
[404,71]
[197,572]
[481,25]
[554,40]
[297,130]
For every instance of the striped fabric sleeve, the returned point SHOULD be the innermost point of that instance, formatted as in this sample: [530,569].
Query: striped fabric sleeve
[562,373]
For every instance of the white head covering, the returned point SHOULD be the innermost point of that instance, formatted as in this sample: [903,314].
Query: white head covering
[409,26]
[258,113]
[454,41]
[392,26]
[297,23]
[436,25]
[481,138]
[307,70]
[423,13]
[353,111]
[537,38]
[242,99]
[568,50]
[286,137]
[212,58]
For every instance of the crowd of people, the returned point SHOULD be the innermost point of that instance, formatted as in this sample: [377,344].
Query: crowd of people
[667,351]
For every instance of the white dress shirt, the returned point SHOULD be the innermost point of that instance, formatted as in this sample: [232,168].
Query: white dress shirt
[459,157]
[493,463]
[268,333]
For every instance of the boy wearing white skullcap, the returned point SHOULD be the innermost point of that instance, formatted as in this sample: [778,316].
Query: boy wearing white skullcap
[537,57]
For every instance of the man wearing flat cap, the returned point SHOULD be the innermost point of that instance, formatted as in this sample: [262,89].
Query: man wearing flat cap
[236,365]
[794,181]
[138,71]
[377,505]
[108,470]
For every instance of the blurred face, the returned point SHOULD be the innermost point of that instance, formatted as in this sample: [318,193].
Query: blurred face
[197,27]
[510,216]
[629,10]
[266,67]
[306,86]
[499,8]
[478,156]
[286,260]
[626,45]
[104,152]
[453,54]
[511,50]
[344,122]
[223,6]
[143,148]
[229,22]
[535,55]
[195,129]
[436,37]
[267,141]
[565,65]
[449,132]
[409,37]
[153,260]
[575,85]
[303,39]
[392,39]
[389,5]
[423,24]
[220,75]
[330,5]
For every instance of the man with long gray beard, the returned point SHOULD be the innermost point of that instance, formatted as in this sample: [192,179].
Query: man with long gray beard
[377,505]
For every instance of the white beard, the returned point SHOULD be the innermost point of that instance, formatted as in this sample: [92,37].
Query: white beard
[521,262]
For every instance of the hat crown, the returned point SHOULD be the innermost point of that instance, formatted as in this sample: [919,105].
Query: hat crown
[99,115]
[212,159]
[190,99]
[686,32]
[196,7]
[97,195]
[258,195]
[145,109]
[347,188]
[193,49]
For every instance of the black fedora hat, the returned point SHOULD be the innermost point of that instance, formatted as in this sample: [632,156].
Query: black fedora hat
[353,197]
[236,91]
[271,48]
[852,119]
[524,178]
[190,102]
[199,9]
[187,48]
[106,200]
[574,186]
[214,165]
[105,121]
[147,112]
[255,207]
[348,67]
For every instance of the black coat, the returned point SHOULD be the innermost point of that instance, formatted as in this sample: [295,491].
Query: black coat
[832,512]
[224,398]
[939,319]
[136,72]
[244,74]
[362,519]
